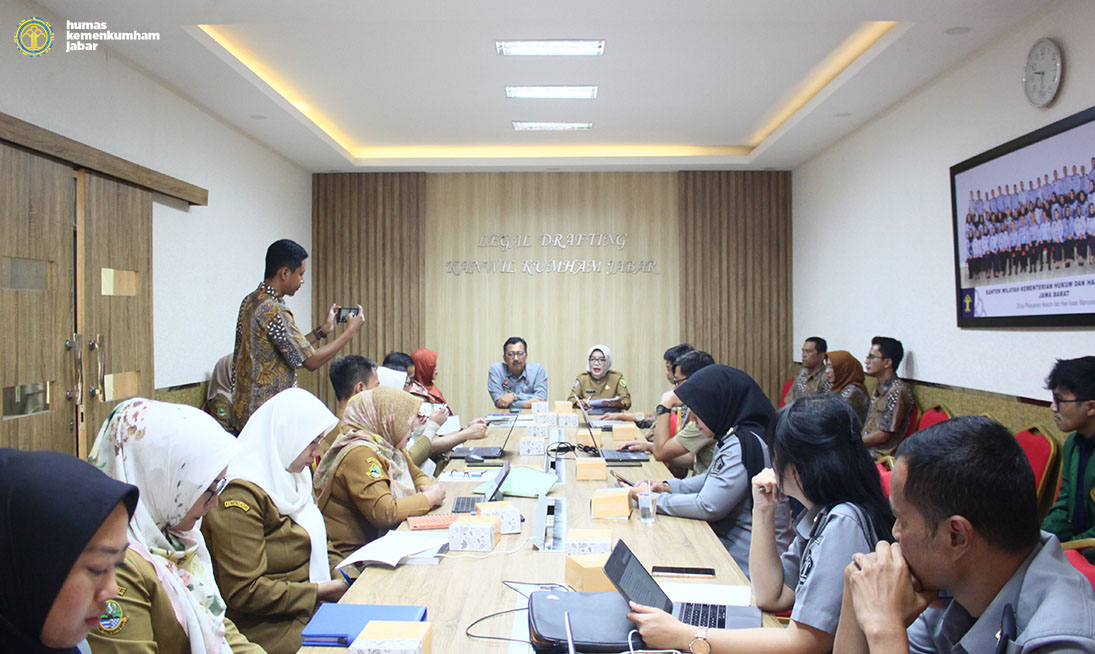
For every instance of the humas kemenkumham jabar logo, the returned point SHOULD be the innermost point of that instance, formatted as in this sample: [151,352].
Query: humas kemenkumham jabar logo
[34,37]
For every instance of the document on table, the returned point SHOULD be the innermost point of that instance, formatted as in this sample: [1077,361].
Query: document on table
[598,424]
[523,482]
[393,547]
[451,426]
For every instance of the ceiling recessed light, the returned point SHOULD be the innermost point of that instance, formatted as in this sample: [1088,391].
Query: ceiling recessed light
[535,126]
[552,92]
[257,117]
[550,47]
[957,31]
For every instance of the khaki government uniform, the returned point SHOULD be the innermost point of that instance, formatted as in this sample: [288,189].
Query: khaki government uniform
[702,447]
[361,507]
[144,622]
[260,561]
[611,385]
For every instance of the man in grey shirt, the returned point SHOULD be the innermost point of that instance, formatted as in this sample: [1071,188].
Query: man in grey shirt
[516,382]
[966,514]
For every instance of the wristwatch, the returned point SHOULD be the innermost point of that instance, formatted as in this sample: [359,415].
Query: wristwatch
[699,644]
[662,410]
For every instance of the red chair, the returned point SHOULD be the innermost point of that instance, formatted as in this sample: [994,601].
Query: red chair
[914,416]
[884,473]
[1042,453]
[934,416]
[1080,562]
[786,389]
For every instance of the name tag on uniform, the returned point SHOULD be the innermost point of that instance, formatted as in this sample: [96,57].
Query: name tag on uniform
[590,391]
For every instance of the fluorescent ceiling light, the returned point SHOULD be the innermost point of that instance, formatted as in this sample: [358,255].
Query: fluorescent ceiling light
[557,47]
[534,126]
[552,92]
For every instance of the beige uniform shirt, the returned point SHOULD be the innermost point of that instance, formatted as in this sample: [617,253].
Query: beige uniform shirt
[611,385]
[702,447]
[260,561]
[361,506]
[141,621]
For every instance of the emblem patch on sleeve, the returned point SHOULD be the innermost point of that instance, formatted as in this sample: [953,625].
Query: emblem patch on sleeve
[239,504]
[623,382]
[112,621]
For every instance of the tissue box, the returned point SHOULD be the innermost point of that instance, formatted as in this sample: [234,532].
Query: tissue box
[591,468]
[610,503]
[388,637]
[585,573]
[585,438]
[568,419]
[564,407]
[625,433]
[540,407]
[532,446]
[589,541]
[547,419]
[506,512]
[538,431]
[474,533]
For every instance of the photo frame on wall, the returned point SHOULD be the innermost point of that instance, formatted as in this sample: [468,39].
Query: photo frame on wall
[1024,229]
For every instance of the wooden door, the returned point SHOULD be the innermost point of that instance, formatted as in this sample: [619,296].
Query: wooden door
[114,280]
[38,389]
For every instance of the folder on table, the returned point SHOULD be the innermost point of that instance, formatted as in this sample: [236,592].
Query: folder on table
[337,625]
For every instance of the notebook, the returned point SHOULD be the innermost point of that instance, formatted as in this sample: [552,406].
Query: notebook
[337,625]
[629,577]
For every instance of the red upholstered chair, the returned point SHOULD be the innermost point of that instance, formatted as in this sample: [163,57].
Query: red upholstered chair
[1078,561]
[914,421]
[885,469]
[1043,455]
[934,416]
[785,391]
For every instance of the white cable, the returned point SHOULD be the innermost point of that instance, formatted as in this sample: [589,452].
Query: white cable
[631,648]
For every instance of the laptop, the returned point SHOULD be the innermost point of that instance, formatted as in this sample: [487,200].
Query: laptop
[487,452]
[466,504]
[629,577]
[610,455]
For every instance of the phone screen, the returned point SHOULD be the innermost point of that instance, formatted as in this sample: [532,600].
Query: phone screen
[344,314]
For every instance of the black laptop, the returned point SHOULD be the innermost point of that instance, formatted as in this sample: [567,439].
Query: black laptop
[610,455]
[488,451]
[629,577]
[467,504]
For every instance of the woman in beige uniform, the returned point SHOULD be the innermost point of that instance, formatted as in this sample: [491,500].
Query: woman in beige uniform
[168,601]
[600,387]
[265,534]
[365,484]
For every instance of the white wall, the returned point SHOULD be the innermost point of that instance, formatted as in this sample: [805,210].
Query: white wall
[872,217]
[205,259]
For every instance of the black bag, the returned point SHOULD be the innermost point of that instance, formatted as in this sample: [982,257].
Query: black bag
[598,622]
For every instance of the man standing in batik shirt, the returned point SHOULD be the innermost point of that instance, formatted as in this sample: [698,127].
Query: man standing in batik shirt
[891,402]
[269,345]
[811,379]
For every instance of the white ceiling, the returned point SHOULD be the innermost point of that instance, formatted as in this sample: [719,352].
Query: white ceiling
[424,73]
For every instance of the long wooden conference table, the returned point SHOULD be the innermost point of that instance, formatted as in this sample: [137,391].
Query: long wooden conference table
[459,591]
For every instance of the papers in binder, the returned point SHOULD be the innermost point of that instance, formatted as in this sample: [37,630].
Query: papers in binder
[392,548]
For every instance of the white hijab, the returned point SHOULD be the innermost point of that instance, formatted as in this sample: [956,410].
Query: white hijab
[608,359]
[273,438]
[172,453]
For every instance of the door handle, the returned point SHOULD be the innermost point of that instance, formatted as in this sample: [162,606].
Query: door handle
[75,344]
[99,391]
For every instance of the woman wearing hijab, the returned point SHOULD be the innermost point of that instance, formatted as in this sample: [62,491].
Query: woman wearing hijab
[727,405]
[600,387]
[218,398]
[177,456]
[265,535]
[62,533]
[365,484]
[820,460]
[844,375]
[425,441]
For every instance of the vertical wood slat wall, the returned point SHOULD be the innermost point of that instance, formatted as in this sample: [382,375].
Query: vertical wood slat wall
[367,248]
[735,246]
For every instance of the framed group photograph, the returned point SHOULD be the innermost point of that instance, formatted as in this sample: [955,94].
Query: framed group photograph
[1024,229]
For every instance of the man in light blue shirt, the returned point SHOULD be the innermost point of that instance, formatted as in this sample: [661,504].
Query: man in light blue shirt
[516,382]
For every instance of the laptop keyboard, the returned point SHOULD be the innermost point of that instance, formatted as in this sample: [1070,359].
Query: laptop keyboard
[703,615]
[464,504]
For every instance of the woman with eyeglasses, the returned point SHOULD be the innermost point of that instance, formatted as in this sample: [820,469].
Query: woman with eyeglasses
[168,600]
[600,388]
[266,536]
[365,483]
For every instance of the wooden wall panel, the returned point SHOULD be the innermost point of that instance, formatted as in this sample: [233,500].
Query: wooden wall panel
[367,248]
[736,270]
[468,317]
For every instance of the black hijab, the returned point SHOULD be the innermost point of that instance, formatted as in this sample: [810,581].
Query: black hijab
[726,398]
[51,505]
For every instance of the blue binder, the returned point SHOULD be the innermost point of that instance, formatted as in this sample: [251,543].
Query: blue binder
[337,625]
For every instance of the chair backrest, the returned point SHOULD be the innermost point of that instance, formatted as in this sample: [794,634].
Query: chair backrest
[1078,561]
[1042,453]
[786,389]
[884,474]
[914,422]
[934,416]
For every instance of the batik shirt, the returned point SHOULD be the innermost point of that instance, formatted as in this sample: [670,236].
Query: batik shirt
[269,349]
[890,406]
